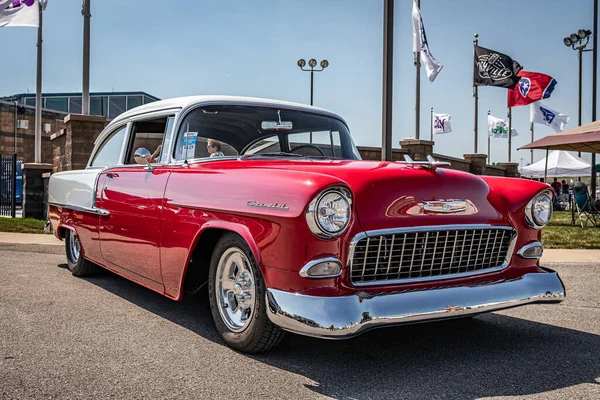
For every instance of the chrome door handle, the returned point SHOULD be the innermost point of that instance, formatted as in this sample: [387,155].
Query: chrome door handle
[112,175]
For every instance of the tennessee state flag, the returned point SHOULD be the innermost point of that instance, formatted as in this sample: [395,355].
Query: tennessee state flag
[532,86]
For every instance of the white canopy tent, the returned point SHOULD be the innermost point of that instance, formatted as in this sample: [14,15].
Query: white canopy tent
[560,164]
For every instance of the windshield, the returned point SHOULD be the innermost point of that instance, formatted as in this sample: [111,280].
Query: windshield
[219,131]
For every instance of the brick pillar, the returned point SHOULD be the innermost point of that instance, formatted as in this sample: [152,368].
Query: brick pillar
[478,163]
[33,189]
[72,146]
[511,169]
[417,149]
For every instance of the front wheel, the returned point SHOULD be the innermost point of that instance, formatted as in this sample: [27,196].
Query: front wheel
[78,265]
[237,298]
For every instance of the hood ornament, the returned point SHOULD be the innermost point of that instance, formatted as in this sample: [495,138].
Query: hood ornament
[445,206]
[431,163]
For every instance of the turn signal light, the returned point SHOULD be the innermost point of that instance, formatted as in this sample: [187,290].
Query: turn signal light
[532,250]
[324,268]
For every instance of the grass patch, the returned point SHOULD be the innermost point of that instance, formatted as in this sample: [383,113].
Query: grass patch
[560,234]
[22,225]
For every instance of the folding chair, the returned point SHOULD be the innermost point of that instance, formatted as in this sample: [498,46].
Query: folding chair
[584,206]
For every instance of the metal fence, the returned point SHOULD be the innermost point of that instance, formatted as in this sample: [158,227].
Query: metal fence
[11,185]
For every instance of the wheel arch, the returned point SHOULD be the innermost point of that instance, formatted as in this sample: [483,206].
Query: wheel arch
[62,230]
[201,250]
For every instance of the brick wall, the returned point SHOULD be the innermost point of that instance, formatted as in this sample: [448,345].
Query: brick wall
[26,137]
[495,171]
[374,153]
[455,163]
[418,150]
[72,146]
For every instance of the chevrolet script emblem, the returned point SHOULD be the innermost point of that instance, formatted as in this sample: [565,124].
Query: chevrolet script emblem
[273,206]
[445,206]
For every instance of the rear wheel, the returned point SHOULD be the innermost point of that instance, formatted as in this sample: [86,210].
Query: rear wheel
[78,265]
[237,298]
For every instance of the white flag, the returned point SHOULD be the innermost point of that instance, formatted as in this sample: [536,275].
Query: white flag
[498,128]
[441,123]
[540,114]
[420,44]
[19,13]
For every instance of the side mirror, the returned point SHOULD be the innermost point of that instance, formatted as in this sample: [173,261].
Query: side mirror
[143,156]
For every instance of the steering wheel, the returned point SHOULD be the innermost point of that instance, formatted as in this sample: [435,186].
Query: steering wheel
[308,146]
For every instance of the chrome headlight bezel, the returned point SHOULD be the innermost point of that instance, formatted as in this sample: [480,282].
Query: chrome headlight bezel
[312,218]
[530,214]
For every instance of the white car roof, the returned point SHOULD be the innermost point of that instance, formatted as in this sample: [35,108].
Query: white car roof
[189,101]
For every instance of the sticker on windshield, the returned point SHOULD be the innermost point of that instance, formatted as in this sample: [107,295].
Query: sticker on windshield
[189,144]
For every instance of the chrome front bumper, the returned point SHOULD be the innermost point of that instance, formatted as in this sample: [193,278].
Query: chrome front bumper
[347,316]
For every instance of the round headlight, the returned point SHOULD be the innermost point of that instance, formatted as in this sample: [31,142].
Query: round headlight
[539,210]
[329,213]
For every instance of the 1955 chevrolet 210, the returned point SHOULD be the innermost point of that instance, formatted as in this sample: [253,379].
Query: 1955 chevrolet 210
[269,204]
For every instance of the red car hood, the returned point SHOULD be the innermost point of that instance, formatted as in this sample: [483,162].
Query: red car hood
[389,195]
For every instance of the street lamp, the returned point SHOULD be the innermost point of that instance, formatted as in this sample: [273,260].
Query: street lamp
[576,42]
[312,63]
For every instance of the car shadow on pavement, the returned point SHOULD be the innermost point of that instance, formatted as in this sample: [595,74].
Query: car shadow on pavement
[490,355]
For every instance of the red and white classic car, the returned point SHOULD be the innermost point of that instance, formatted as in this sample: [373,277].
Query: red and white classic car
[269,203]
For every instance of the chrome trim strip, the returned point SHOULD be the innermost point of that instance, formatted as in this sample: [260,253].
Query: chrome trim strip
[304,271]
[347,316]
[529,246]
[433,228]
[91,210]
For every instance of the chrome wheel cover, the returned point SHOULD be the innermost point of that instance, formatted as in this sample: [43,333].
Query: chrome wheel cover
[235,289]
[74,246]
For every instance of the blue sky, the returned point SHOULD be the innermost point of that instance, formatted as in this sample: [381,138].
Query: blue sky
[239,47]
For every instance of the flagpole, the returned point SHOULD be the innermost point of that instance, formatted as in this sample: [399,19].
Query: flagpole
[38,95]
[431,125]
[475,97]
[594,88]
[509,131]
[85,95]
[532,139]
[489,159]
[388,66]
[418,89]
[546,167]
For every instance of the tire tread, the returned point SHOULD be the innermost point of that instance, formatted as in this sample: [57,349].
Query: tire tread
[82,267]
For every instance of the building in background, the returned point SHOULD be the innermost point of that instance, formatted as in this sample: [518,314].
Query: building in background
[108,104]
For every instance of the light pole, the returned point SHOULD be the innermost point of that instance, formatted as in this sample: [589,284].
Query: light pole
[312,63]
[576,42]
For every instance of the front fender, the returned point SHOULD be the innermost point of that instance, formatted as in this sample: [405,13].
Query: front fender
[240,229]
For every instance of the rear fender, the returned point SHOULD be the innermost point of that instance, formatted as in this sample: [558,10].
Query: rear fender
[61,228]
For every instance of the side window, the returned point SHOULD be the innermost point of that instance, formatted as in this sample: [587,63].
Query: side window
[264,145]
[110,149]
[167,141]
[150,135]
[322,143]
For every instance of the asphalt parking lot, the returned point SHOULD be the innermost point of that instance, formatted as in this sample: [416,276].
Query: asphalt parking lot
[65,337]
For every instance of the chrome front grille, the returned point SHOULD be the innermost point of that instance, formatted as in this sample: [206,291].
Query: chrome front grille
[428,253]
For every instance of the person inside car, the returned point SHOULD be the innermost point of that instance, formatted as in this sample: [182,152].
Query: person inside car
[214,148]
